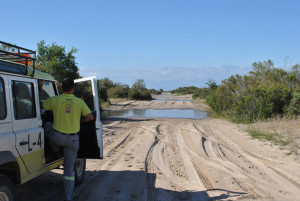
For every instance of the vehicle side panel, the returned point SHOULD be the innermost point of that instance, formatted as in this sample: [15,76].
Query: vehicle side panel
[28,131]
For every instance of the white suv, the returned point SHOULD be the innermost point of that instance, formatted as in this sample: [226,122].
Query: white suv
[24,151]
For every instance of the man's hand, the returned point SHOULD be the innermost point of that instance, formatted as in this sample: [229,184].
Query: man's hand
[87,118]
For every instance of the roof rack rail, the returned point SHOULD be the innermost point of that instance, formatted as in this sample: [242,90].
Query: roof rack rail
[17,54]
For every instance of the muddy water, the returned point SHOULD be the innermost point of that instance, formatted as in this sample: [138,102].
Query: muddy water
[165,105]
[152,113]
[160,100]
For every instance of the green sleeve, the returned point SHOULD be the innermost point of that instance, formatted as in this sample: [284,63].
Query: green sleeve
[47,104]
[85,110]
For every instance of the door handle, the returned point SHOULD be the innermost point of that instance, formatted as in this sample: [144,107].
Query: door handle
[24,142]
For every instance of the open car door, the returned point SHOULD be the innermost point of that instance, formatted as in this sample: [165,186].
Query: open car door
[90,136]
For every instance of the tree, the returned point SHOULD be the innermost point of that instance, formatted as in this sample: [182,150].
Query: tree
[139,91]
[260,68]
[102,91]
[139,86]
[107,83]
[120,91]
[211,84]
[54,60]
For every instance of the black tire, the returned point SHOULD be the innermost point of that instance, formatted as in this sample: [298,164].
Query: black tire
[80,165]
[7,190]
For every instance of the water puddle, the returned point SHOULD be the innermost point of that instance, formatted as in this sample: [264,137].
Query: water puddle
[170,97]
[152,113]
[160,100]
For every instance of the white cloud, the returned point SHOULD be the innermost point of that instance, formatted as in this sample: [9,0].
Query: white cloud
[169,77]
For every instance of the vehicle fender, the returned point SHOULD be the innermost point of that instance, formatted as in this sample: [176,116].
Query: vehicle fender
[9,166]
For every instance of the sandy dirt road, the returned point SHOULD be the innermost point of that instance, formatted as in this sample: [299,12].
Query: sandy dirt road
[177,159]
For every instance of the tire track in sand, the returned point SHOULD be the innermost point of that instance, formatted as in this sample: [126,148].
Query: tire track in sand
[151,191]
[122,143]
[258,174]
[121,177]
[162,161]
[196,182]
[214,160]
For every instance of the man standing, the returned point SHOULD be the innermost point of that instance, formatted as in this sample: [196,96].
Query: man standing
[67,110]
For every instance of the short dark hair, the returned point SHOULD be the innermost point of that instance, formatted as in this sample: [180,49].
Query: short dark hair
[67,84]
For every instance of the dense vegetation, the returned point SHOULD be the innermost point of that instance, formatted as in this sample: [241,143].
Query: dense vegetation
[197,92]
[138,91]
[54,60]
[265,92]
[185,90]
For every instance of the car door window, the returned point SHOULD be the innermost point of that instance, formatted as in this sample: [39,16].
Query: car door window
[23,98]
[84,91]
[46,89]
[2,100]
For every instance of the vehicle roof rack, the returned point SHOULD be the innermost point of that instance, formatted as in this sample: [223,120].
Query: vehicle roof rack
[17,54]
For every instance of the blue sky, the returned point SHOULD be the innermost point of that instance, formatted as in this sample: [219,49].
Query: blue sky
[168,43]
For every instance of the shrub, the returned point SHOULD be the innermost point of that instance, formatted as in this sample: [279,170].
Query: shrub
[185,90]
[201,93]
[136,95]
[156,92]
[118,92]
[139,91]
[294,107]
[261,102]
[146,95]
[102,92]
[265,93]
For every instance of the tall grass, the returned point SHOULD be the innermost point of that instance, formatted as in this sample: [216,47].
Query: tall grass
[284,132]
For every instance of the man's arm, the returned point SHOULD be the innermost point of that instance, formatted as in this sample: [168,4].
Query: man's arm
[46,104]
[87,118]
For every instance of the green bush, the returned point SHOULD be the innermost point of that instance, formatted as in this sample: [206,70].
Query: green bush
[261,102]
[156,92]
[265,93]
[102,92]
[139,91]
[201,93]
[118,92]
[143,95]
[294,107]
[185,90]
[146,95]
[133,94]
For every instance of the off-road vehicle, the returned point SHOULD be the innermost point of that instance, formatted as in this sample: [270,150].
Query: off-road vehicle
[24,150]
